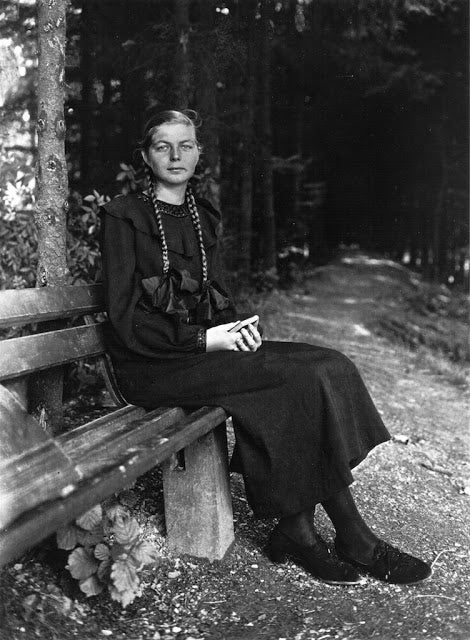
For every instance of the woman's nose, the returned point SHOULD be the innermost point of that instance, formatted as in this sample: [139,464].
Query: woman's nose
[174,153]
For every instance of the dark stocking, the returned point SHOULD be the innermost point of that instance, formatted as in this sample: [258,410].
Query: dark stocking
[352,533]
[299,527]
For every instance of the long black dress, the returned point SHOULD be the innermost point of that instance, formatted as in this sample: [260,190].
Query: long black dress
[302,415]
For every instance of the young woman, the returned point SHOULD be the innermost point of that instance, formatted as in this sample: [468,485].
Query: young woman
[302,415]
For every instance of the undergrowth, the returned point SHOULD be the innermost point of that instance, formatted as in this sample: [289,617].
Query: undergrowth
[430,319]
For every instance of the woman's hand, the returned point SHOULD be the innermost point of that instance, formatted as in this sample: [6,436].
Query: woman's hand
[220,339]
[249,338]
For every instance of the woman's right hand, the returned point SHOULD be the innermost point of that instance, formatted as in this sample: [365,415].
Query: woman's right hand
[221,339]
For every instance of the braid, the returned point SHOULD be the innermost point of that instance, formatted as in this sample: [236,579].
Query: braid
[191,203]
[158,216]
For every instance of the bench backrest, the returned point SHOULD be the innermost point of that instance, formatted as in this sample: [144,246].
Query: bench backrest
[54,346]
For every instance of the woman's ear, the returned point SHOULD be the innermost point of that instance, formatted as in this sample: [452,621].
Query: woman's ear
[144,156]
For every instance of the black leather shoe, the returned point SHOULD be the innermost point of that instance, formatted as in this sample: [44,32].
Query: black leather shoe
[391,565]
[316,559]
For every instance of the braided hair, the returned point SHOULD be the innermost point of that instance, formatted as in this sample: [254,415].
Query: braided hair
[191,204]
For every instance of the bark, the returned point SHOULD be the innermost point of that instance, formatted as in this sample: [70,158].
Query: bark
[87,102]
[181,77]
[207,105]
[247,159]
[268,231]
[52,187]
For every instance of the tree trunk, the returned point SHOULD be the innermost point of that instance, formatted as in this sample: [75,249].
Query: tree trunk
[181,76]
[52,187]
[207,106]
[315,69]
[268,231]
[298,134]
[246,160]
[87,100]
[439,248]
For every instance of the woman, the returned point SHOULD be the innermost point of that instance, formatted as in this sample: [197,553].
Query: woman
[302,415]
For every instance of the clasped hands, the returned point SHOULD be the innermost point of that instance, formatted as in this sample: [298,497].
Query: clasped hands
[226,337]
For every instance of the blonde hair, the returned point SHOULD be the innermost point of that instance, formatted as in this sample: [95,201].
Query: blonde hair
[187,117]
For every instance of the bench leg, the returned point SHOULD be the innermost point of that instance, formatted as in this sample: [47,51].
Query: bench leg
[198,505]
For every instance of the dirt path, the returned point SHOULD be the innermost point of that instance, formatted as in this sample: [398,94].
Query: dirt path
[412,494]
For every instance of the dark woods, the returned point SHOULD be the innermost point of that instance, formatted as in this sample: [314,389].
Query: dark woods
[324,122]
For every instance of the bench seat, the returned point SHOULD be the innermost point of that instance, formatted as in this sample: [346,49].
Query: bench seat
[47,481]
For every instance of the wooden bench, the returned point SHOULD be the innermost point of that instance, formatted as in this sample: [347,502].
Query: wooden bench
[48,481]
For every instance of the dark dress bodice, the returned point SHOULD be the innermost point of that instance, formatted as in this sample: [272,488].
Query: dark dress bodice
[132,263]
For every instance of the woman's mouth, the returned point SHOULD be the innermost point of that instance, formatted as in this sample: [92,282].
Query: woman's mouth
[176,169]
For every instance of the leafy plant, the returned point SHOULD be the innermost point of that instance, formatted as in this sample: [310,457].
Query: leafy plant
[129,178]
[107,550]
[83,251]
[18,238]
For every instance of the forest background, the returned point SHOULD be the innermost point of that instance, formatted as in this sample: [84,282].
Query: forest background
[325,122]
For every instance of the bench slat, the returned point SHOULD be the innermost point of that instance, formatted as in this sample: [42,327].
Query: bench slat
[138,452]
[84,440]
[25,306]
[20,356]
[157,436]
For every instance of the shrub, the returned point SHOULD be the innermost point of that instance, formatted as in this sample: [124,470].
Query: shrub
[18,238]
[107,551]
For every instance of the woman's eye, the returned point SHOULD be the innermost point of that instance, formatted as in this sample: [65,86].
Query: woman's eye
[161,147]
[187,147]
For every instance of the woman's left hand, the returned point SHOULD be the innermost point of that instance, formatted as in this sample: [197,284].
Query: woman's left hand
[248,339]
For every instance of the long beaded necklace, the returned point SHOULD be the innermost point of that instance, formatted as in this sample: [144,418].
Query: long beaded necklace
[191,205]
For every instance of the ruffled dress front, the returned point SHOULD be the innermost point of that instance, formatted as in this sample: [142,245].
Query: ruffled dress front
[302,415]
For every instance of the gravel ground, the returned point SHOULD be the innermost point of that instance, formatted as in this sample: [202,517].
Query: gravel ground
[414,491]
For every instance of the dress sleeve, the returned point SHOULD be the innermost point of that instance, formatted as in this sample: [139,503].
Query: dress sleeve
[144,333]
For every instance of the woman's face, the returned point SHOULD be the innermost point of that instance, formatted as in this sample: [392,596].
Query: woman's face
[173,154]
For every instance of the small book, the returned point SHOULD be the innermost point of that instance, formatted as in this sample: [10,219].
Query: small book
[242,323]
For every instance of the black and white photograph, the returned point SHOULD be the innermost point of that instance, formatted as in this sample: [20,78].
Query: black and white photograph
[234,320]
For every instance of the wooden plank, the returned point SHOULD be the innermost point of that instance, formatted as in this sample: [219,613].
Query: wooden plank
[25,306]
[19,356]
[34,526]
[89,435]
[198,504]
[33,469]
[158,434]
